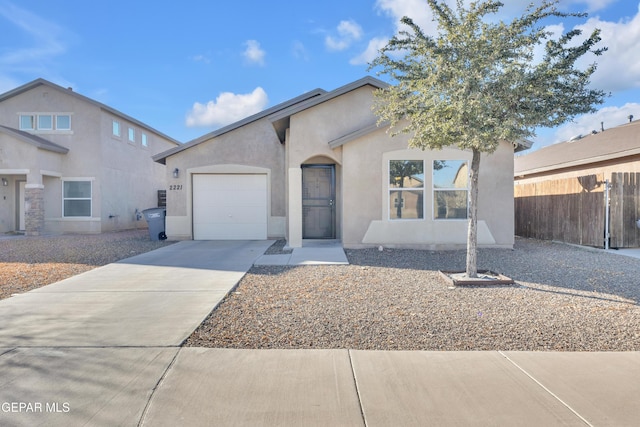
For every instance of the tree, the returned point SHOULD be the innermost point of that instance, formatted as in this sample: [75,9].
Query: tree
[477,83]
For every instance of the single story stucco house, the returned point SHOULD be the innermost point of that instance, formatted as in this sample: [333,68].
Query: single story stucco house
[318,167]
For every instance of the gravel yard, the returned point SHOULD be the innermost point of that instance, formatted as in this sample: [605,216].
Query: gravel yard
[31,262]
[565,298]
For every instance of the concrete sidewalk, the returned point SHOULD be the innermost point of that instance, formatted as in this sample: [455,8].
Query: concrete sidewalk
[103,349]
[229,387]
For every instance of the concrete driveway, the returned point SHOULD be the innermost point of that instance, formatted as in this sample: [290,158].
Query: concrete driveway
[89,350]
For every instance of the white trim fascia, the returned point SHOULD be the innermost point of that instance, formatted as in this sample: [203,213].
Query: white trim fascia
[579,162]
[51,173]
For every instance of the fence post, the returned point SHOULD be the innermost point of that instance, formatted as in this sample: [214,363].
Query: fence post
[606,214]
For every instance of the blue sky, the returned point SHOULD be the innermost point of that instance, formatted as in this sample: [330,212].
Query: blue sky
[187,68]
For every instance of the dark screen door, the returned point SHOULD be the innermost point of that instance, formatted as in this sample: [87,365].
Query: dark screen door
[318,202]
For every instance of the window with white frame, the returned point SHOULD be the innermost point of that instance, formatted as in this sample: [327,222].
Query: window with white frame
[406,189]
[132,135]
[63,122]
[143,140]
[450,189]
[76,198]
[115,128]
[45,122]
[27,122]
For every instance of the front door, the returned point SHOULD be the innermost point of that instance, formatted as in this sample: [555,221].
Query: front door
[318,202]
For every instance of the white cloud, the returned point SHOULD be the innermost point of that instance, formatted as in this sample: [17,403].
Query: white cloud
[607,117]
[254,54]
[348,32]
[619,67]
[371,52]
[420,13]
[417,10]
[594,5]
[227,108]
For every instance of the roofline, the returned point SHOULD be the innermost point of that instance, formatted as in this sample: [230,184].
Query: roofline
[579,162]
[40,81]
[34,140]
[523,144]
[368,80]
[356,134]
[160,157]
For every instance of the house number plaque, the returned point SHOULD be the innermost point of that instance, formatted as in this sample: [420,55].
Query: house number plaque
[175,187]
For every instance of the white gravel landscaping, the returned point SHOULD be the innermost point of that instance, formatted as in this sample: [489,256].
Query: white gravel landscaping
[564,298]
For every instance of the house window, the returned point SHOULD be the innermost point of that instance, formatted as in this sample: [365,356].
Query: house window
[63,122]
[132,135]
[27,122]
[76,199]
[144,141]
[116,128]
[45,122]
[450,189]
[406,189]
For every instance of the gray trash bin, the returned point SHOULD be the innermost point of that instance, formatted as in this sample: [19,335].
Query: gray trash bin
[155,219]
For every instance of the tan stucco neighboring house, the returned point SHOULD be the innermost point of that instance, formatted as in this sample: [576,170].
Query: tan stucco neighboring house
[69,164]
[583,191]
[610,151]
[318,167]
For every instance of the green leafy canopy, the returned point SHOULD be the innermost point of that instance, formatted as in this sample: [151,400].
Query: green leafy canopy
[476,82]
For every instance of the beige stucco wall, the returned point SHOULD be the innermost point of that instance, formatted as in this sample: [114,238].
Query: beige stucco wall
[362,197]
[362,181]
[308,140]
[366,197]
[124,176]
[254,148]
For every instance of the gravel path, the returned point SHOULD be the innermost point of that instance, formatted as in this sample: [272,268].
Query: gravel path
[565,298]
[31,262]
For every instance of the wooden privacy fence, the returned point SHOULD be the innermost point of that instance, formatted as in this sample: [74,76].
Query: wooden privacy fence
[568,210]
[624,210]
[573,210]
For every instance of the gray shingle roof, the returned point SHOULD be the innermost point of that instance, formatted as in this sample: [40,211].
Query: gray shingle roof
[614,143]
[34,140]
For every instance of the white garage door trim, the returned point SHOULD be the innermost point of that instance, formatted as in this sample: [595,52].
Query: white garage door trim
[229,206]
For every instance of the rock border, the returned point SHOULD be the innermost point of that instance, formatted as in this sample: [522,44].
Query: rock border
[485,278]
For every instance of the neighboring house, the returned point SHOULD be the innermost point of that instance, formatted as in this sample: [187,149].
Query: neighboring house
[560,190]
[613,150]
[69,164]
[318,167]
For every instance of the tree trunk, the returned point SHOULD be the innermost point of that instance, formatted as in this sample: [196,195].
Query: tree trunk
[472,235]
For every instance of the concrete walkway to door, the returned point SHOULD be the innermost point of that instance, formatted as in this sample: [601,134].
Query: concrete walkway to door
[312,252]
